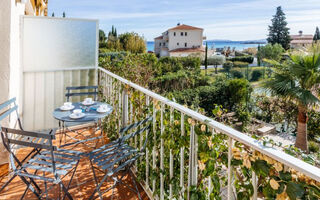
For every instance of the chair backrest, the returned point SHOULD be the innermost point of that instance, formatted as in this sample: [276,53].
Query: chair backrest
[141,126]
[34,140]
[7,108]
[94,91]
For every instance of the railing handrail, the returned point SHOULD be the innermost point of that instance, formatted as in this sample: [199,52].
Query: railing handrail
[288,160]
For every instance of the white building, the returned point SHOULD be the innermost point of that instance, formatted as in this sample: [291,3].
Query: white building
[180,41]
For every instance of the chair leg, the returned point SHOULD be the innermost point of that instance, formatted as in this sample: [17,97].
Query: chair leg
[97,184]
[7,183]
[66,192]
[135,184]
[74,171]
[30,186]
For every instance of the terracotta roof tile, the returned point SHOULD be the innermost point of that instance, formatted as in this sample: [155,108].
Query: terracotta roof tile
[185,27]
[159,38]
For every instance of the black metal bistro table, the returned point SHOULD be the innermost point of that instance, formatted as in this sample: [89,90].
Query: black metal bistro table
[91,116]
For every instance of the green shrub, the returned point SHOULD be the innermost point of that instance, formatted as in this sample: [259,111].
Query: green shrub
[313,124]
[313,147]
[256,75]
[240,64]
[174,64]
[248,59]
[236,73]
[227,66]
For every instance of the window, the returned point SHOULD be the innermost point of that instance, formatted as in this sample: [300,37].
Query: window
[178,44]
[164,44]
[160,44]
[185,45]
[174,33]
[181,33]
[185,33]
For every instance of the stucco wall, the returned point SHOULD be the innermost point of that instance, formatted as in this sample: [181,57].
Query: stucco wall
[10,68]
[194,38]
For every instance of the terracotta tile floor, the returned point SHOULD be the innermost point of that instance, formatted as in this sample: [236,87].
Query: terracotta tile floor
[82,185]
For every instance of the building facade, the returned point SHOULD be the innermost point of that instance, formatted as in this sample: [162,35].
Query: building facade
[182,40]
[301,40]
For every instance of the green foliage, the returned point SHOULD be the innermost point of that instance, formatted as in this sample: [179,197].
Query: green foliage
[278,31]
[236,73]
[132,42]
[228,93]
[314,125]
[245,59]
[271,51]
[227,66]
[256,75]
[216,60]
[240,64]
[314,147]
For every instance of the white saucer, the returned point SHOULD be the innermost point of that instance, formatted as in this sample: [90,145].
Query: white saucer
[64,108]
[74,116]
[100,110]
[87,104]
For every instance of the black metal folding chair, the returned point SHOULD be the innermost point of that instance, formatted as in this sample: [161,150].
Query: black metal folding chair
[118,156]
[87,92]
[47,163]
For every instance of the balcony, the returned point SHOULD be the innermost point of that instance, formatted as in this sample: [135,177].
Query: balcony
[189,155]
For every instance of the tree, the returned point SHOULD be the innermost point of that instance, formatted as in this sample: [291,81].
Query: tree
[102,36]
[132,42]
[64,15]
[52,14]
[271,52]
[216,60]
[206,59]
[316,36]
[278,31]
[297,79]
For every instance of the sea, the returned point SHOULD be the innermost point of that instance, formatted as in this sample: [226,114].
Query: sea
[239,45]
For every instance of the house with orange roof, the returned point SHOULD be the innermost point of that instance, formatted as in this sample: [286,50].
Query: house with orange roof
[301,40]
[180,41]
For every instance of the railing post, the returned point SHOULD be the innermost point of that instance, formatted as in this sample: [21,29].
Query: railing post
[255,186]
[154,145]
[147,150]
[161,154]
[192,179]
[182,159]
[229,168]
[171,155]
[124,107]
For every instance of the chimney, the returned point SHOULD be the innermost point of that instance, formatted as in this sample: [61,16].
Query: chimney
[300,33]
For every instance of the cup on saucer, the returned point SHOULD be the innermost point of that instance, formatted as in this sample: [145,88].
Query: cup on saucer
[67,104]
[77,112]
[88,100]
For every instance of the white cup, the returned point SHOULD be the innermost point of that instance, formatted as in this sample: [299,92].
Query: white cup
[77,112]
[67,104]
[103,107]
[88,100]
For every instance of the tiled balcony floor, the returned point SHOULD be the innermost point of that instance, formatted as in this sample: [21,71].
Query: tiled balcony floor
[82,185]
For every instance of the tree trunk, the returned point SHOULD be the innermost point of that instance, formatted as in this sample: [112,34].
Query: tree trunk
[216,69]
[301,140]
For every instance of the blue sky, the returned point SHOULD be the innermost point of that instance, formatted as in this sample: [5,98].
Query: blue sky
[221,19]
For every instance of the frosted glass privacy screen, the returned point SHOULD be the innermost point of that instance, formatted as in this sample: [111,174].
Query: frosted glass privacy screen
[50,44]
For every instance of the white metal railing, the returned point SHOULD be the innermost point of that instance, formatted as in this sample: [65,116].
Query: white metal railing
[106,81]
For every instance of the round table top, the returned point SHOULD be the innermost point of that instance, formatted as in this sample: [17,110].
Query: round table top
[90,112]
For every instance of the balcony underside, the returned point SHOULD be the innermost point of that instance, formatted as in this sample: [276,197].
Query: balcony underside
[82,185]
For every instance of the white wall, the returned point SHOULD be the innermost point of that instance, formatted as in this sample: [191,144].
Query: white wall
[193,38]
[10,68]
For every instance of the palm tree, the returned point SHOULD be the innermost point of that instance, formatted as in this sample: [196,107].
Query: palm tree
[297,79]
